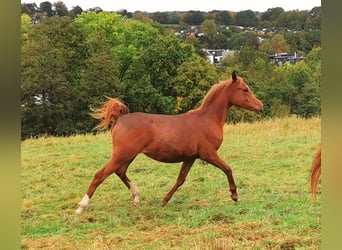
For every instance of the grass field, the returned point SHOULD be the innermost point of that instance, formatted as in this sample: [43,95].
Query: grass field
[271,163]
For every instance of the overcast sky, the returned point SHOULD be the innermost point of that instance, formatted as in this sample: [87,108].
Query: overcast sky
[186,5]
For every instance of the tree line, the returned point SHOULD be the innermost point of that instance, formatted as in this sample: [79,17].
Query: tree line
[71,63]
[221,29]
[272,17]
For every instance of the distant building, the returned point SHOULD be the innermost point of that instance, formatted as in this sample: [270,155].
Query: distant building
[281,58]
[215,56]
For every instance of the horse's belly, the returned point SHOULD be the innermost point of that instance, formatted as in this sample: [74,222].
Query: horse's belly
[171,154]
[168,158]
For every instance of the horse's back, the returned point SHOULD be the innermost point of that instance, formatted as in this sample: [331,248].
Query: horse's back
[141,121]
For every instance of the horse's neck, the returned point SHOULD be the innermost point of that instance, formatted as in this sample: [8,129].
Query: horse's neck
[217,112]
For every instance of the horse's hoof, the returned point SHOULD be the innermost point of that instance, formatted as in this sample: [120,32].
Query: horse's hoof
[79,210]
[136,203]
[234,197]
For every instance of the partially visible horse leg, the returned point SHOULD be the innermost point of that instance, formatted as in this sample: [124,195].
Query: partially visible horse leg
[180,180]
[315,174]
[215,160]
[134,190]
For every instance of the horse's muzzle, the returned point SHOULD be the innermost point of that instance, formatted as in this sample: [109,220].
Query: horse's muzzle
[259,107]
[258,111]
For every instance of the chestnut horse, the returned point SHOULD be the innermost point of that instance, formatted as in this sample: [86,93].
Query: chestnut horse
[315,173]
[171,138]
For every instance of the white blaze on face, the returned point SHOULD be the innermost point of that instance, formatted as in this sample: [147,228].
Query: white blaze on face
[83,203]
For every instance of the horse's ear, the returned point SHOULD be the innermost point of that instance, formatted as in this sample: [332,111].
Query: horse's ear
[234,76]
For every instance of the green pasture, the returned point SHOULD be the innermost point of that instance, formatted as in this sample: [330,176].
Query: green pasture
[271,163]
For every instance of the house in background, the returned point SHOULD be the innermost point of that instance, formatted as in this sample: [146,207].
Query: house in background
[280,58]
[215,56]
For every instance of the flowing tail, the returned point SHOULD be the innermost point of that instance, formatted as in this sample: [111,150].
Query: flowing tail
[109,113]
[315,173]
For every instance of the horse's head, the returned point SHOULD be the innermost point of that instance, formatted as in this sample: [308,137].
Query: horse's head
[242,96]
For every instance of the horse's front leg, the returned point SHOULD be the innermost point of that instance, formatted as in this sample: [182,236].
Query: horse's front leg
[180,180]
[215,160]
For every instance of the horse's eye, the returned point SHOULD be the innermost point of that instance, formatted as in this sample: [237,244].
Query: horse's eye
[245,90]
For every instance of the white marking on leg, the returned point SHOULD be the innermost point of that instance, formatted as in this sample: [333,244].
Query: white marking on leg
[135,194]
[82,204]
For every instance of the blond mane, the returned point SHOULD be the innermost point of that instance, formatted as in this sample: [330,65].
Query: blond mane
[212,93]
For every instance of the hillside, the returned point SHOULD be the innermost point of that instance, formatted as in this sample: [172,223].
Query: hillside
[270,160]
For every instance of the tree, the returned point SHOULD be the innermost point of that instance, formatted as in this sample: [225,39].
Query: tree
[220,17]
[157,68]
[238,40]
[46,7]
[313,38]
[209,28]
[293,20]
[291,89]
[278,94]
[26,31]
[71,64]
[307,101]
[193,17]
[224,18]
[194,78]
[126,37]
[146,58]
[98,78]
[60,9]
[272,14]
[166,17]
[219,41]
[29,8]
[246,18]
[314,19]
[75,11]
[49,81]
[313,61]
[277,44]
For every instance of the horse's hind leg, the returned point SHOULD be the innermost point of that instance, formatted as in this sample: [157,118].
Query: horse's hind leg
[118,165]
[99,177]
[180,180]
[134,190]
